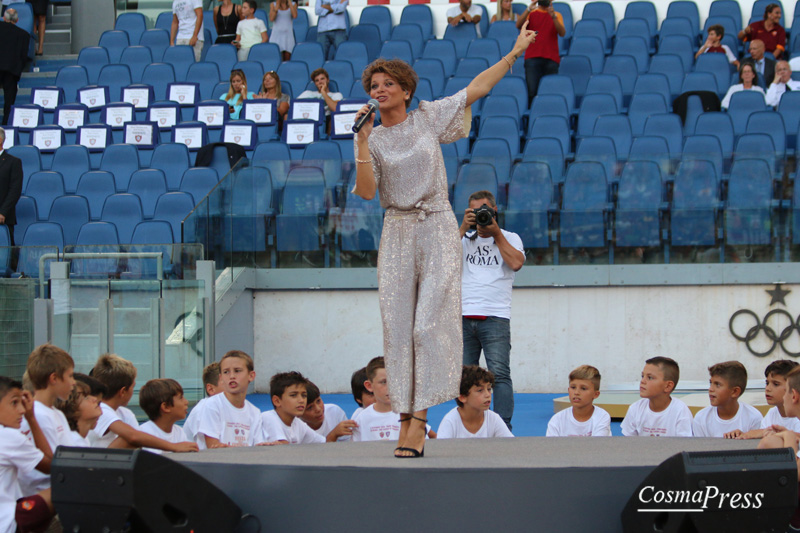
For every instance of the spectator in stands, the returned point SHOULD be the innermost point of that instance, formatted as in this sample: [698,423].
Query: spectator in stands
[237,93]
[321,80]
[40,16]
[768,30]
[226,17]
[504,12]
[465,13]
[10,187]
[331,25]
[542,57]
[250,31]
[281,14]
[491,256]
[713,45]
[187,25]
[14,44]
[781,83]
[765,67]
[748,81]
[271,88]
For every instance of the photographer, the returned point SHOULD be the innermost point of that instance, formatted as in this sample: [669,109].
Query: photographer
[542,57]
[491,257]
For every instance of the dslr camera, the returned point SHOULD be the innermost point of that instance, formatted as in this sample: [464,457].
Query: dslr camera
[484,215]
[544,3]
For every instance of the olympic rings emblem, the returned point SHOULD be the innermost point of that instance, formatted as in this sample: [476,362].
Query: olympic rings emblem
[753,332]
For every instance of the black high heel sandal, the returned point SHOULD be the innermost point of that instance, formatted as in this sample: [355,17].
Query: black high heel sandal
[414,452]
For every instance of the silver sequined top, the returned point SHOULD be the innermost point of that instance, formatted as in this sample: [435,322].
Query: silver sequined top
[407,160]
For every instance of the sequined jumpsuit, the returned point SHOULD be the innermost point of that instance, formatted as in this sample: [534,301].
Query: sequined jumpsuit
[419,261]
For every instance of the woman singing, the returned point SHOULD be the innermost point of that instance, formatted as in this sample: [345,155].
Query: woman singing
[419,261]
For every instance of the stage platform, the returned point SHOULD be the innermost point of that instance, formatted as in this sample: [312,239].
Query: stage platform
[533,484]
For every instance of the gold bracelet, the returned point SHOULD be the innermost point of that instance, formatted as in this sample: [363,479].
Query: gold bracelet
[363,161]
[510,66]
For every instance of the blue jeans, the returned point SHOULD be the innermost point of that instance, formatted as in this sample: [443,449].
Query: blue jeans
[493,335]
[328,39]
[535,69]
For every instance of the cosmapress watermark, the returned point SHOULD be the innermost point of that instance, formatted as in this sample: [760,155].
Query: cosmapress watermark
[697,501]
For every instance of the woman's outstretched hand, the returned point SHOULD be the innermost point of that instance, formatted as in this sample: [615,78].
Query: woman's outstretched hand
[525,38]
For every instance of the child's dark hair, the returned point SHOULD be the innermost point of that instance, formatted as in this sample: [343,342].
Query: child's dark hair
[241,355]
[71,407]
[155,392]
[282,381]
[733,372]
[114,372]
[312,393]
[46,360]
[357,385]
[473,375]
[669,367]
[781,367]
[6,384]
[211,374]
[96,388]
[252,3]
[373,366]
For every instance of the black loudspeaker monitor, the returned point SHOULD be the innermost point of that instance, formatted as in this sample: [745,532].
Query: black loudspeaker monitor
[109,491]
[733,490]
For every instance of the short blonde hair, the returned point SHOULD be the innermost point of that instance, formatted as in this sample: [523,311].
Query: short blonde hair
[587,372]
[241,355]
[114,372]
[397,69]
[793,379]
[45,360]
[211,374]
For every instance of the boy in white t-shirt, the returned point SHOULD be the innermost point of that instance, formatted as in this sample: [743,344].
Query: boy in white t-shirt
[472,418]
[658,414]
[583,418]
[51,372]
[778,436]
[212,387]
[726,416]
[361,395]
[249,31]
[115,428]
[775,390]
[19,454]
[378,421]
[326,419]
[187,25]
[82,409]
[289,397]
[164,403]
[228,419]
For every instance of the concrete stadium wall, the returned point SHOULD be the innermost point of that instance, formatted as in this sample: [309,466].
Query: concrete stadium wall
[327,334]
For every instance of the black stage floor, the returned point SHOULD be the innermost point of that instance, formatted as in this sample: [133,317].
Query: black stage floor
[520,484]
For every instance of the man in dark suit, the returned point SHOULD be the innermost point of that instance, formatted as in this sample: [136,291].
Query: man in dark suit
[765,67]
[14,42]
[10,186]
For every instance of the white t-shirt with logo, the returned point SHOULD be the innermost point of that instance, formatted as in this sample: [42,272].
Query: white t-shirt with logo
[452,427]
[297,433]
[674,421]
[101,436]
[373,425]
[190,425]
[17,456]
[230,425]
[334,415]
[707,422]
[486,280]
[187,18]
[55,429]
[564,424]
[774,417]
[473,11]
[175,436]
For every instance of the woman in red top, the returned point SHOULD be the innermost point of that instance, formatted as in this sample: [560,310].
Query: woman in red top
[541,58]
[768,30]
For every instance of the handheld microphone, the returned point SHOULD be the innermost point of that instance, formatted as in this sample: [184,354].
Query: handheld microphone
[359,123]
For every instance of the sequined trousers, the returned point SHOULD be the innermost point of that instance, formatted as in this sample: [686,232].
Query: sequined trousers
[419,281]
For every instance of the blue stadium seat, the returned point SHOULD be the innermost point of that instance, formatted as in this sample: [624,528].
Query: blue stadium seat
[546,150]
[638,216]
[204,74]
[789,109]
[381,17]
[515,87]
[71,161]
[302,212]
[678,45]
[173,207]
[341,72]
[122,160]
[671,67]
[96,186]
[564,9]
[486,48]
[461,36]
[544,104]
[433,71]
[92,58]
[71,212]
[618,129]
[148,184]
[585,208]
[133,24]
[653,149]
[668,126]
[654,83]
[505,128]
[114,41]
[124,210]
[147,235]
[31,160]
[553,126]
[719,125]
[635,47]
[368,34]
[136,58]
[295,74]
[164,21]
[44,187]
[758,146]
[750,213]
[643,10]
[600,150]
[159,76]
[579,70]
[444,51]
[589,47]
[472,177]
[27,214]
[718,66]
[592,107]
[251,227]
[198,182]
[276,157]
[310,54]
[181,58]
[396,50]
[685,9]
[623,67]
[704,148]
[742,104]
[530,204]
[224,56]
[360,225]
[695,205]
[71,79]
[727,8]
[769,123]
[606,84]
[267,54]
[421,15]
[326,156]
[40,238]
[603,12]
[172,159]
[591,28]
[353,52]
[504,32]
[115,77]
[643,105]
[300,25]
[96,237]
[559,85]
[469,67]
[495,152]
[157,41]
[412,34]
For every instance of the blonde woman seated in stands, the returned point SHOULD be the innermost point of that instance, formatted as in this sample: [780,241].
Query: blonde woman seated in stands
[237,94]
[271,88]
[504,12]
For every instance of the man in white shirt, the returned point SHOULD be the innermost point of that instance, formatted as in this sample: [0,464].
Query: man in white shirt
[187,25]
[465,12]
[783,82]
[321,79]
[491,257]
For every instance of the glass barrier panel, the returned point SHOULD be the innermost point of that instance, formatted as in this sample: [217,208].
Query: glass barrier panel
[185,333]
[16,324]
[79,319]
[133,261]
